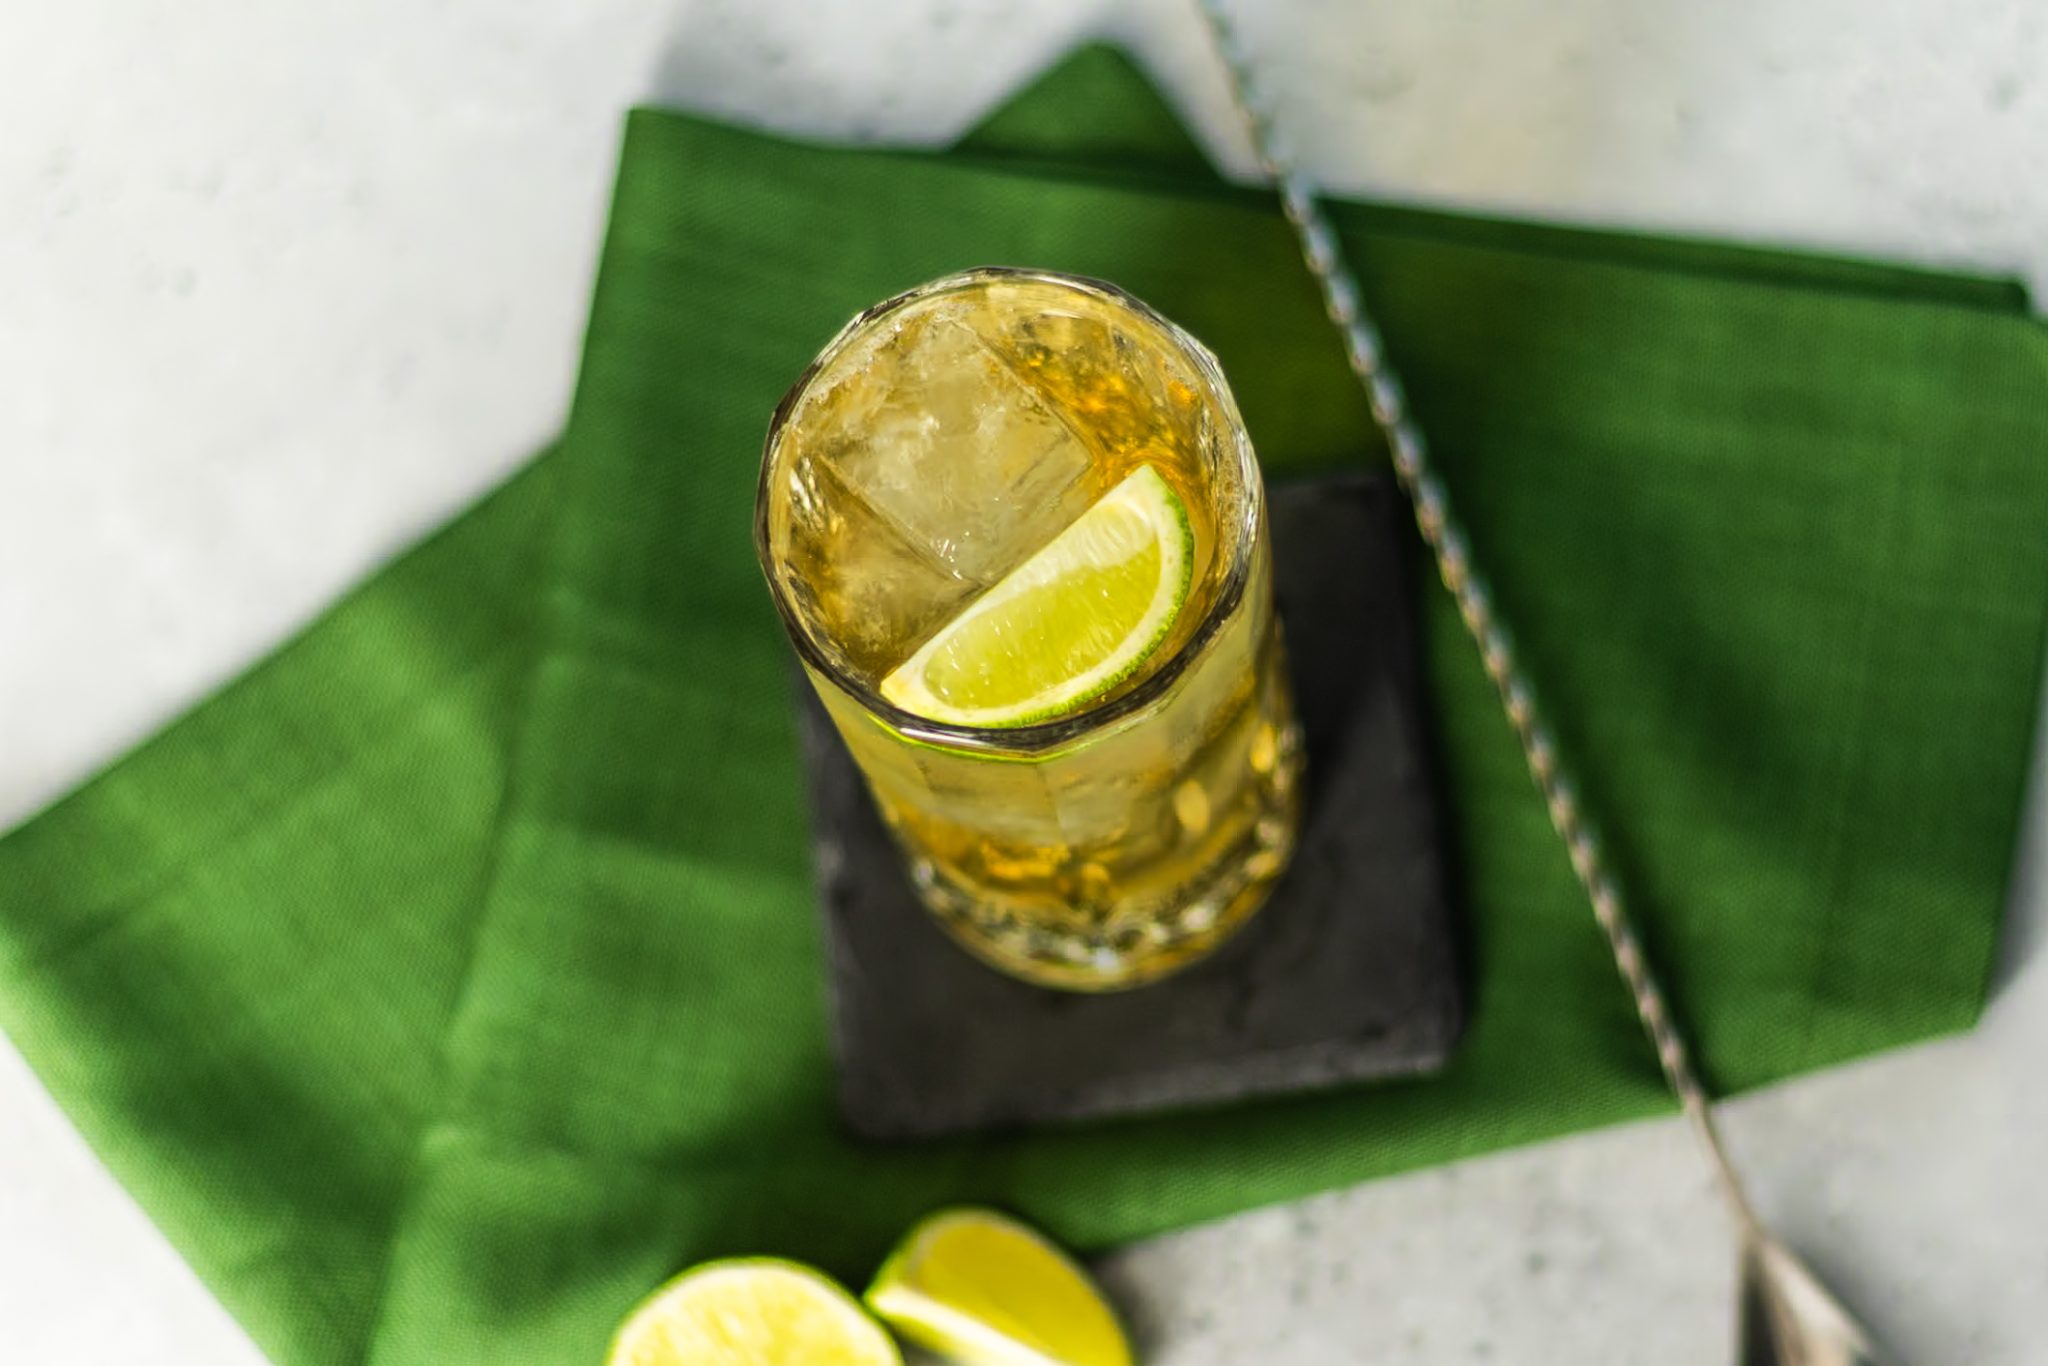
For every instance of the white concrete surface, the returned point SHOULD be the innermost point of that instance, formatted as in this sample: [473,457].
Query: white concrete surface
[282,285]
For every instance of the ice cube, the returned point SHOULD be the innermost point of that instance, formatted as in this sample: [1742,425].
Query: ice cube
[874,594]
[957,455]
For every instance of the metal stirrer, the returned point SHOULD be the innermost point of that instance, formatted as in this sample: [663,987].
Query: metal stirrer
[1787,1318]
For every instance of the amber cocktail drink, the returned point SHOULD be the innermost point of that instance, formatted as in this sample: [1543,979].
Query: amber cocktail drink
[1015,527]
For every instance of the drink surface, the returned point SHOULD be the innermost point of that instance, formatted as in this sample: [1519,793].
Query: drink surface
[940,443]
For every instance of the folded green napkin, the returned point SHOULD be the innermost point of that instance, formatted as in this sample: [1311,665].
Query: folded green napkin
[452,978]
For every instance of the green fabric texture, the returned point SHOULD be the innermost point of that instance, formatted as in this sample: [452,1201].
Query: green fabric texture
[452,978]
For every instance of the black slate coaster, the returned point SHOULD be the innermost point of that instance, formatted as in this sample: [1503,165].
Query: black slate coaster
[1347,973]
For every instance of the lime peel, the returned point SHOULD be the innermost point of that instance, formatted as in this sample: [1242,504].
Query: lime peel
[1066,626]
[981,1289]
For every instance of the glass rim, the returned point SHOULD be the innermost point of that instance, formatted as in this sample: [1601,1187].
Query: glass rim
[1042,735]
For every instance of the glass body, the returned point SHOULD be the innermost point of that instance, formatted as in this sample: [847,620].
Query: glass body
[942,438]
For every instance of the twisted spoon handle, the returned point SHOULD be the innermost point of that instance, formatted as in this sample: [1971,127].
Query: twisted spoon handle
[1452,551]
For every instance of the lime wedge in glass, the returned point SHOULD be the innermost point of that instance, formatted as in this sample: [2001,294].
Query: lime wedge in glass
[980,1289]
[1068,624]
[752,1312]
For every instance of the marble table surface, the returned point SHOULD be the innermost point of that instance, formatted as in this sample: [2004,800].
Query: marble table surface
[282,286]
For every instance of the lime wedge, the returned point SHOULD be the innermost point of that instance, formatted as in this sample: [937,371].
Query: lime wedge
[981,1289]
[1068,624]
[752,1312]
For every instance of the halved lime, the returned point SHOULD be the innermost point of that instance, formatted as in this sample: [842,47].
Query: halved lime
[1068,624]
[981,1289]
[752,1312]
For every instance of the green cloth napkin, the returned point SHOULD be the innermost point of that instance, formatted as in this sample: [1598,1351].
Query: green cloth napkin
[452,978]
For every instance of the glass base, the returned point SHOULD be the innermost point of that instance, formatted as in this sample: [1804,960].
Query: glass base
[1128,949]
